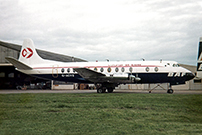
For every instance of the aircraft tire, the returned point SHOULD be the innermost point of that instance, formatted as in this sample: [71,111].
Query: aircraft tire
[170,91]
[99,90]
[110,90]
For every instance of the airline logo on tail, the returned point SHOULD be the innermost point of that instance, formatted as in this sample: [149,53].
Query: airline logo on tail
[27,52]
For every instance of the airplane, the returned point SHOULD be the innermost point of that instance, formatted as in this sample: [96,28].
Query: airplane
[105,75]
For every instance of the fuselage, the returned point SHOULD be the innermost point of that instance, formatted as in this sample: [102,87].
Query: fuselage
[148,71]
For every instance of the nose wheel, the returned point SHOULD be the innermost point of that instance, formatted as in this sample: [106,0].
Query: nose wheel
[170,91]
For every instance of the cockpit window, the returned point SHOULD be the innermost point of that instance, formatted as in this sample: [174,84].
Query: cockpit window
[176,65]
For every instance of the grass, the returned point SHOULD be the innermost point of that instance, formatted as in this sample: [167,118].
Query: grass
[100,114]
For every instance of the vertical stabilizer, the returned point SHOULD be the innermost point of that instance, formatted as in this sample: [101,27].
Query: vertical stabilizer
[28,54]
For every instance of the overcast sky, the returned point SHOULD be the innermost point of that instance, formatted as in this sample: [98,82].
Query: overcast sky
[107,29]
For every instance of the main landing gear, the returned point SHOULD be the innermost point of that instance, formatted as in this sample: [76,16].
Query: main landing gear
[101,88]
[104,89]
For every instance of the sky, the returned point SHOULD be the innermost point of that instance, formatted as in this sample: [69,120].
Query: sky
[107,29]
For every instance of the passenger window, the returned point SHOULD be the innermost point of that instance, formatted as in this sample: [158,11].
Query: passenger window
[62,70]
[156,69]
[117,69]
[101,69]
[130,69]
[68,70]
[147,69]
[109,69]
[122,69]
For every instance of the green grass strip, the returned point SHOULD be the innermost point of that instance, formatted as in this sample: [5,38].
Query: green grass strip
[108,114]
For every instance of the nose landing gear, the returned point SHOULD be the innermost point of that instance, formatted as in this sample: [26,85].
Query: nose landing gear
[170,90]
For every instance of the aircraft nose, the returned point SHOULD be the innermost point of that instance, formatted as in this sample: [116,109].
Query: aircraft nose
[189,76]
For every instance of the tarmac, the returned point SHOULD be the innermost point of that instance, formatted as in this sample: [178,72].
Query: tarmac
[95,91]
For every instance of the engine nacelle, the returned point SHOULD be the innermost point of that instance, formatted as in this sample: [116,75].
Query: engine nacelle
[133,78]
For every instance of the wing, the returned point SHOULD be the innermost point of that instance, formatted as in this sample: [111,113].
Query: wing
[94,76]
[90,75]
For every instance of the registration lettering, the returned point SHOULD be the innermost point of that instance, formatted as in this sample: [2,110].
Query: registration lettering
[67,75]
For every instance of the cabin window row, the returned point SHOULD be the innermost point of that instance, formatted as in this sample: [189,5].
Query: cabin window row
[123,69]
[68,70]
[109,69]
[147,69]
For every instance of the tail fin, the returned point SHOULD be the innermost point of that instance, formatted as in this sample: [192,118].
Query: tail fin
[28,54]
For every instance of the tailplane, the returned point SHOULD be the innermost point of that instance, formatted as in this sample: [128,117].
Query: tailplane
[18,64]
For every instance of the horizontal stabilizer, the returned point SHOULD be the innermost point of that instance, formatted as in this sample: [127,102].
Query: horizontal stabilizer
[18,64]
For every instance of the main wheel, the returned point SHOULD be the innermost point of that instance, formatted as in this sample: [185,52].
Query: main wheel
[99,90]
[110,90]
[170,91]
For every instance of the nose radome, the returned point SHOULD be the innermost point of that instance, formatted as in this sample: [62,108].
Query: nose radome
[190,75]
